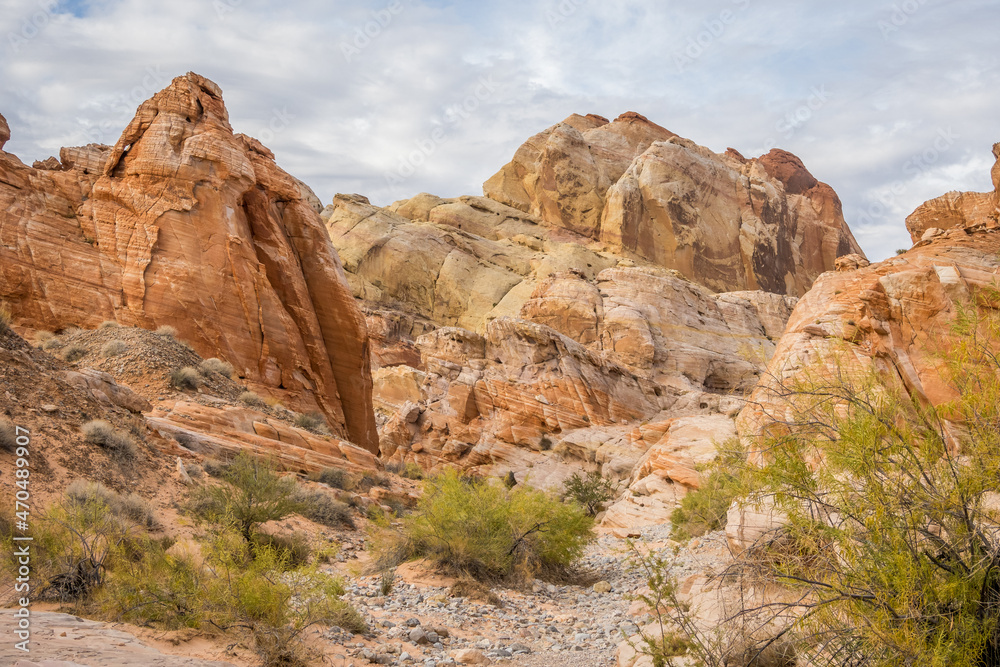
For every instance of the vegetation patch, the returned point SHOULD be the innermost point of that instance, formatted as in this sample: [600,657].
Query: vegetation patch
[489,532]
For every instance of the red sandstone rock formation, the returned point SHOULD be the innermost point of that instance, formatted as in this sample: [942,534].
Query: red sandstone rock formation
[185,223]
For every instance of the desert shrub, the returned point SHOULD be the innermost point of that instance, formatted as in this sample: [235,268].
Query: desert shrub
[253,494]
[886,536]
[370,480]
[407,470]
[185,378]
[322,508]
[51,344]
[74,352]
[215,468]
[252,400]
[8,436]
[489,532]
[108,324]
[213,365]
[274,404]
[293,549]
[250,591]
[334,478]
[42,337]
[704,509]
[900,251]
[167,331]
[590,491]
[387,581]
[117,443]
[76,542]
[6,318]
[133,507]
[312,421]
[114,348]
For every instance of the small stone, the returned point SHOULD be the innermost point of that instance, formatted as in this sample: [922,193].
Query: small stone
[470,656]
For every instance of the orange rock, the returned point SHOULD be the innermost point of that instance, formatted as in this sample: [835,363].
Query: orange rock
[190,225]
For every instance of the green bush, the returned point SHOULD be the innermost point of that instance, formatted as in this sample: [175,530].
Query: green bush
[322,508]
[489,532]
[185,378]
[705,509]
[292,550]
[334,478]
[74,352]
[887,534]
[313,422]
[250,591]
[114,348]
[8,436]
[213,365]
[591,491]
[253,494]
[118,443]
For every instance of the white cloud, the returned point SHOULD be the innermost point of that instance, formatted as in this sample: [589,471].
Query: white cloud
[348,93]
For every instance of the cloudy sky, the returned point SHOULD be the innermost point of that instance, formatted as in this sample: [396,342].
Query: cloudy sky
[890,101]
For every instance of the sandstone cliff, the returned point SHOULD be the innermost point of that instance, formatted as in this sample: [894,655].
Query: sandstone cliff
[185,223]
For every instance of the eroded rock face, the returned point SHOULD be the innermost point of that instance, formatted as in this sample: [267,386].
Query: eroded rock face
[895,317]
[185,223]
[563,174]
[4,131]
[721,220]
[727,223]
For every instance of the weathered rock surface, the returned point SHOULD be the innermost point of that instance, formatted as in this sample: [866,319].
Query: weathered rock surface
[62,640]
[895,317]
[958,209]
[721,220]
[185,223]
[563,174]
[4,131]
[725,222]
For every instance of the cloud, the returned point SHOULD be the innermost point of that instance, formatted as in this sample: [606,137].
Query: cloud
[393,97]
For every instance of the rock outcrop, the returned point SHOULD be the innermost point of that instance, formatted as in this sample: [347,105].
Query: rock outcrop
[185,223]
[721,220]
[958,209]
[895,317]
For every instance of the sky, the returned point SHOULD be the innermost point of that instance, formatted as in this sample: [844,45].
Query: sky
[890,102]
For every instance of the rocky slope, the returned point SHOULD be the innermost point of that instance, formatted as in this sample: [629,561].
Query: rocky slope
[185,223]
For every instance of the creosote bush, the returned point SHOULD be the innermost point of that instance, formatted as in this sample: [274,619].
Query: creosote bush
[591,491]
[489,532]
[885,536]
[118,443]
[186,378]
[42,337]
[253,494]
[108,324]
[114,348]
[213,365]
